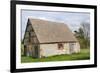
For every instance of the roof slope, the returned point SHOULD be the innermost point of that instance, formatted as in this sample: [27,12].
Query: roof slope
[48,31]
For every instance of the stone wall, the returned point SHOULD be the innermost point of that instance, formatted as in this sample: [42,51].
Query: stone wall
[52,49]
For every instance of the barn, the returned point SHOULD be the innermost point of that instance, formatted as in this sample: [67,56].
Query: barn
[44,38]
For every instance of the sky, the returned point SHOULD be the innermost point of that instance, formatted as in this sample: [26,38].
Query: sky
[71,19]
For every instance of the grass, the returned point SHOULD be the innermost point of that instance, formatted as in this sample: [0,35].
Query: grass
[83,55]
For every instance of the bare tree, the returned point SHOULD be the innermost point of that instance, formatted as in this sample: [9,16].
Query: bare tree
[86,29]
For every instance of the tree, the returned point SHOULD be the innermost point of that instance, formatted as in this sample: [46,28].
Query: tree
[83,35]
[86,29]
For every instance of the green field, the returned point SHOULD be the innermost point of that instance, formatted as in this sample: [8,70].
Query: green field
[83,55]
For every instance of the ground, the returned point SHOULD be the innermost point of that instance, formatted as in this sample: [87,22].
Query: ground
[83,55]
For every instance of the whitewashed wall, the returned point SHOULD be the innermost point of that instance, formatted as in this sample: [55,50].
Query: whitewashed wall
[66,47]
[48,49]
[77,48]
[52,49]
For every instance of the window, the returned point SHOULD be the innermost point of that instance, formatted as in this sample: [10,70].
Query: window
[60,46]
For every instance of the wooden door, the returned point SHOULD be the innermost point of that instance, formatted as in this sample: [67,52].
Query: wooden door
[71,47]
[36,51]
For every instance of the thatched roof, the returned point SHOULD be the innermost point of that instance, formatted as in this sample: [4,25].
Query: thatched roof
[49,32]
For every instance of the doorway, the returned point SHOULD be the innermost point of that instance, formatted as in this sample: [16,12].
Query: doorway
[36,51]
[71,47]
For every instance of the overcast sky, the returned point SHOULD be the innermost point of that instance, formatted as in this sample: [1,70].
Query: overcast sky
[72,19]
